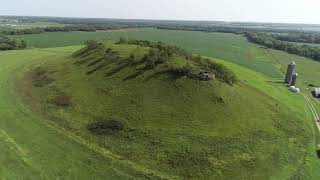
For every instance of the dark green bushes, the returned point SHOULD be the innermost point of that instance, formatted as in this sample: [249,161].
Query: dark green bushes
[7,43]
[155,57]
[195,67]
[222,72]
[267,40]
[313,38]
[166,58]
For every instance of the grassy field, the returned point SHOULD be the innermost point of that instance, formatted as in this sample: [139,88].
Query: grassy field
[256,146]
[229,47]
[177,127]
[32,148]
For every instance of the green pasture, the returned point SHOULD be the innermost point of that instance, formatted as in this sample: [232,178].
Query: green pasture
[262,131]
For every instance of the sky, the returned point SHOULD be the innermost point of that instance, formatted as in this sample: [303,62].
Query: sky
[284,11]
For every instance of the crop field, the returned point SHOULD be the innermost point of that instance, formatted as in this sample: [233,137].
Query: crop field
[262,130]
[26,25]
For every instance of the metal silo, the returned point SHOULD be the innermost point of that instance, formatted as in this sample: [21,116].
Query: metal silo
[294,79]
[290,72]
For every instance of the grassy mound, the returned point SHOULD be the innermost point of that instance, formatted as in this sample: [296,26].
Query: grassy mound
[173,112]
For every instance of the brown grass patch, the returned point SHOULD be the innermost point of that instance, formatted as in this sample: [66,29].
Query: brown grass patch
[62,101]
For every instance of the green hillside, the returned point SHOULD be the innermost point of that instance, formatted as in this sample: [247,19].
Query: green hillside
[31,148]
[229,47]
[157,118]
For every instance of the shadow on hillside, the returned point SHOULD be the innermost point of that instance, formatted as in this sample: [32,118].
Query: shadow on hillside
[170,76]
[117,69]
[318,154]
[134,75]
[276,82]
[94,62]
[96,69]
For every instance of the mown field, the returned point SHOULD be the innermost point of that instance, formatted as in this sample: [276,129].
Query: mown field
[275,126]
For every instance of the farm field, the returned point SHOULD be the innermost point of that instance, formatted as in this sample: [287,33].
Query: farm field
[27,25]
[281,118]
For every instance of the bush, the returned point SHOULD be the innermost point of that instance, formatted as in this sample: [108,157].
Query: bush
[62,101]
[155,57]
[7,43]
[105,126]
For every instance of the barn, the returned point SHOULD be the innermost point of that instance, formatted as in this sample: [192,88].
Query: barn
[317,92]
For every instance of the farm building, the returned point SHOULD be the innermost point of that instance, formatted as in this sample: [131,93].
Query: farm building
[317,92]
[290,72]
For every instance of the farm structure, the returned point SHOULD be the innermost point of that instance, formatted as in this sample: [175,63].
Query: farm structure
[290,72]
[294,79]
[317,92]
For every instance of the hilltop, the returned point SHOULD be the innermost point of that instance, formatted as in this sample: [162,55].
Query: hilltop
[162,109]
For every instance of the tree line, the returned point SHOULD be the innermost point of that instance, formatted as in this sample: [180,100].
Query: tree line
[7,43]
[225,29]
[68,28]
[313,38]
[203,29]
[267,40]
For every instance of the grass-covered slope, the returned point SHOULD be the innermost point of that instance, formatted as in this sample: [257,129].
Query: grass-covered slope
[229,47]
[33,149]
[159,115]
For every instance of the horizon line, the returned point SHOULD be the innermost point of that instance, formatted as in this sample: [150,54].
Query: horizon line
[146,19]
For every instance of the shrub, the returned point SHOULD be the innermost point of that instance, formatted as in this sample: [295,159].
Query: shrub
[155,57]
[105,126]
[62,101]
[7,43]
[94,45]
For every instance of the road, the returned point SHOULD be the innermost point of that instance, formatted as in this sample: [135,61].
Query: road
[313,110]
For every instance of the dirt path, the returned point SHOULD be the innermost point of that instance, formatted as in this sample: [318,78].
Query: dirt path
[313,110]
